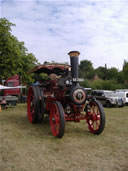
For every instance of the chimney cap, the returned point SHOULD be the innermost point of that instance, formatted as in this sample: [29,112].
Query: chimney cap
[74,53]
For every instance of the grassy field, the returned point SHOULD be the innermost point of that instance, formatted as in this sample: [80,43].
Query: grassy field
[28,147]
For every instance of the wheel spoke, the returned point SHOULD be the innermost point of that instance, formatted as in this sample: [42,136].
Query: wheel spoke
[56,118]
[91,122]
[97,125]
[98,117]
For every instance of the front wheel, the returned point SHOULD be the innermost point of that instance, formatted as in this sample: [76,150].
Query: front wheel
[57,120]
[95,117]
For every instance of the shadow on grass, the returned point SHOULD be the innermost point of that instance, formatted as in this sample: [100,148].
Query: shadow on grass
[78,129]
[21,124]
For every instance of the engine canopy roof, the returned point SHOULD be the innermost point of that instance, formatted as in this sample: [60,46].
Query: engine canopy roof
[58,69]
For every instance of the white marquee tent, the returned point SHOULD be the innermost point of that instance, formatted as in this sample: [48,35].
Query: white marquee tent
[6,88]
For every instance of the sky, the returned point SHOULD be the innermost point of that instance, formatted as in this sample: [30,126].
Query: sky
[98,29]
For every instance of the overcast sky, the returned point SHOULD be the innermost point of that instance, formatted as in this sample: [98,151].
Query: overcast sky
[98,29]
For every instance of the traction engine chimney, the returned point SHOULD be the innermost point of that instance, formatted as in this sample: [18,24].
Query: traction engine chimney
[74,58]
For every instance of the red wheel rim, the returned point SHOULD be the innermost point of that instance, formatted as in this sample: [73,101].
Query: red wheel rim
[94,118]
[55,120]
[30,105]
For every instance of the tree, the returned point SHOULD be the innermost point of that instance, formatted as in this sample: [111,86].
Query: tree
[101,72]
[86,69]
[125,70]
[112,74]
[120,77]
[125,73]
[106,85]
[14,57]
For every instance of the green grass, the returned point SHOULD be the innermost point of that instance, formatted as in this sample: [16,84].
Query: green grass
[25,146]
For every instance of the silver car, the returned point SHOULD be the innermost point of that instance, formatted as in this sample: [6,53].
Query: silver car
[108,98]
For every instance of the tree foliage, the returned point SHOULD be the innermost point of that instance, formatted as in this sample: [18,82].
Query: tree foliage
[101,72]
[14,57]
[125,70]
[111,78]
[86,69]
[112,73]
[106,85]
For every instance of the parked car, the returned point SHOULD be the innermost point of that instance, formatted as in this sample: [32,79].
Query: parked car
[108,98]
[122,94]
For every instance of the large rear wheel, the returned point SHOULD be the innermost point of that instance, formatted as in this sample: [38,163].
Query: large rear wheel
[95,117]
[35,104]
[57,120]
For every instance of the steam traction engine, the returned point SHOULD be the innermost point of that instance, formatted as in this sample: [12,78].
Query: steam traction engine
[63,99]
